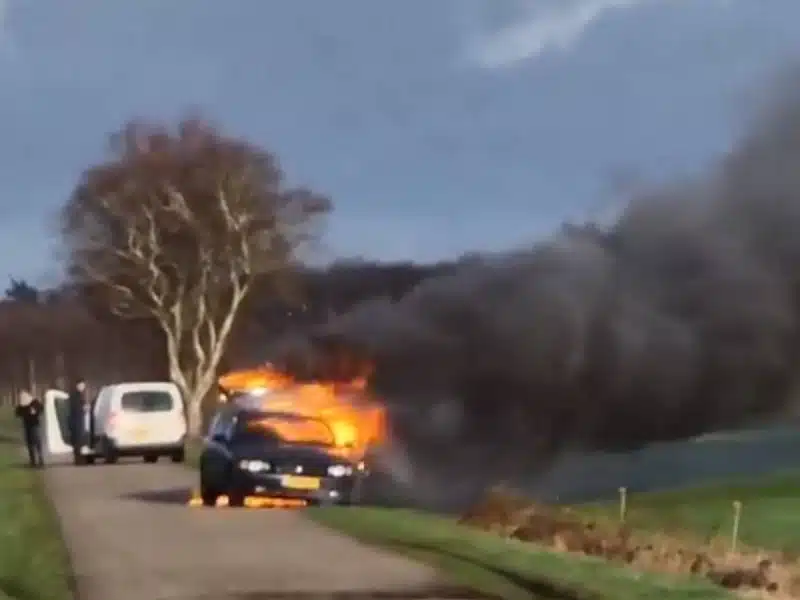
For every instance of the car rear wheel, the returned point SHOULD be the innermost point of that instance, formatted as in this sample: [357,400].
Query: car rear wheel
[150,458]
[178,456]
[353,498]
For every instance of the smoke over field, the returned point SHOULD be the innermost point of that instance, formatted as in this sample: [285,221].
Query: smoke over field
[680,318]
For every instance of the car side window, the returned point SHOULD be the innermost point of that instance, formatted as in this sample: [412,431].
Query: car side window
[224,425]
[229,427]
[218,424]
[212,427]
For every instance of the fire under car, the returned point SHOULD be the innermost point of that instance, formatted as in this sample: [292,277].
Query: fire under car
[254,452]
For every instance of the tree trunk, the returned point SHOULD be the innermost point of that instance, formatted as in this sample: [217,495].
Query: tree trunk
[194,393]
[194,410]
[32,383]
[197,380]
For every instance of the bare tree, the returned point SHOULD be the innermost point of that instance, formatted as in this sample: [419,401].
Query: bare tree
[175,226]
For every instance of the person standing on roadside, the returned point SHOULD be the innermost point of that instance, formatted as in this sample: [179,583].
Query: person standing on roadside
[29,410]
[77,419]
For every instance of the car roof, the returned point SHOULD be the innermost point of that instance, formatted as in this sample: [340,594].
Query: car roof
[252,412]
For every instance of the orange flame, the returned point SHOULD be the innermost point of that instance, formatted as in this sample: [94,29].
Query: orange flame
[266,377]
[355,420]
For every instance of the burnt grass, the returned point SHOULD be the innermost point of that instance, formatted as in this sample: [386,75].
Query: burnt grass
[559,529]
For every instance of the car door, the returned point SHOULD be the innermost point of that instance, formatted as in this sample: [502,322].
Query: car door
[216,454]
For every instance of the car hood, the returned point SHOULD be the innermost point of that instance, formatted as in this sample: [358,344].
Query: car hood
[285,453]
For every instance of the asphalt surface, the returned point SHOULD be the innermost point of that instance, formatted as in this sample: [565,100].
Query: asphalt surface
[131,536]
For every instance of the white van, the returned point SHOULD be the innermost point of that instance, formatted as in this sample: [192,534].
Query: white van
[139,419]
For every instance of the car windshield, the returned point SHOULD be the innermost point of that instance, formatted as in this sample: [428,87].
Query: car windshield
[252,400]
[283,429]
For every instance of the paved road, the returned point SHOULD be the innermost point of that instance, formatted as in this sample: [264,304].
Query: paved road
[131,537]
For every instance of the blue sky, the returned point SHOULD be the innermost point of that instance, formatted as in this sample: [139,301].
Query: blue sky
[438,126]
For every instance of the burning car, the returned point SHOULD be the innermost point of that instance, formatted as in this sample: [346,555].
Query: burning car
[357,420]
[278,438]
[253,452]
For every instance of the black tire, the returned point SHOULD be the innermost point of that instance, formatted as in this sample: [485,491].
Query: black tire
[110,455]
[236,499]
[324,502]
[89,460]
[356,495]
[208,496]
[150,458]
[178,456]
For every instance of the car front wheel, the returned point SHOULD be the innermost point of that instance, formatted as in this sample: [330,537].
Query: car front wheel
[208,495]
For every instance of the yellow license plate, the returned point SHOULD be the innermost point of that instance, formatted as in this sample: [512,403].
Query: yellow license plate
[296,482]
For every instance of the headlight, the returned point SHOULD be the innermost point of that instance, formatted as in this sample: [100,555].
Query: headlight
[340,470]
[254,466]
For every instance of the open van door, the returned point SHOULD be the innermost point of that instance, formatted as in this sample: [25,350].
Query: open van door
[56,423]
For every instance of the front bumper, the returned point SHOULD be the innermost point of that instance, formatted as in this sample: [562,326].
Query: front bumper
[274,485]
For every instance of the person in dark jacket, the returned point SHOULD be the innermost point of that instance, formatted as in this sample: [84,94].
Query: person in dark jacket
[77,419]
[29,410]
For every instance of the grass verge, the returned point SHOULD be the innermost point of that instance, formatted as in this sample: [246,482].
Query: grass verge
[33,560]
[770,516]
[506,568]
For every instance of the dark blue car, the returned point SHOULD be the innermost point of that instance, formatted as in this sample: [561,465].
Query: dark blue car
[248,453]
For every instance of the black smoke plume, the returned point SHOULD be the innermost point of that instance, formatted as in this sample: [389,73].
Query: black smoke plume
[679,319]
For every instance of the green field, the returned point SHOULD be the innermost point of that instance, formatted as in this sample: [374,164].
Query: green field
[506,568]
[770,511]
[770,520]
[33,560]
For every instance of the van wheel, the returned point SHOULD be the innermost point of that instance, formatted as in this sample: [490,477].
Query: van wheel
[150,458]
[89,460]
[178,456]
[110,455]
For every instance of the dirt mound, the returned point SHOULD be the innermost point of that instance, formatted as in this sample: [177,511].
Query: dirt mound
[749,571]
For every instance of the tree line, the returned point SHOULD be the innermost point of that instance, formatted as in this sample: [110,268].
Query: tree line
[50,336]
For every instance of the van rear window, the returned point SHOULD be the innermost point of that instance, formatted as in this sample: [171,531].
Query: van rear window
[146,402]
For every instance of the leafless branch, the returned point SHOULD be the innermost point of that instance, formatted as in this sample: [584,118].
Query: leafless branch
[176,225]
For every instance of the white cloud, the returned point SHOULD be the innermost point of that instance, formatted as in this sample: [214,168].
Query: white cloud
[556,26]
